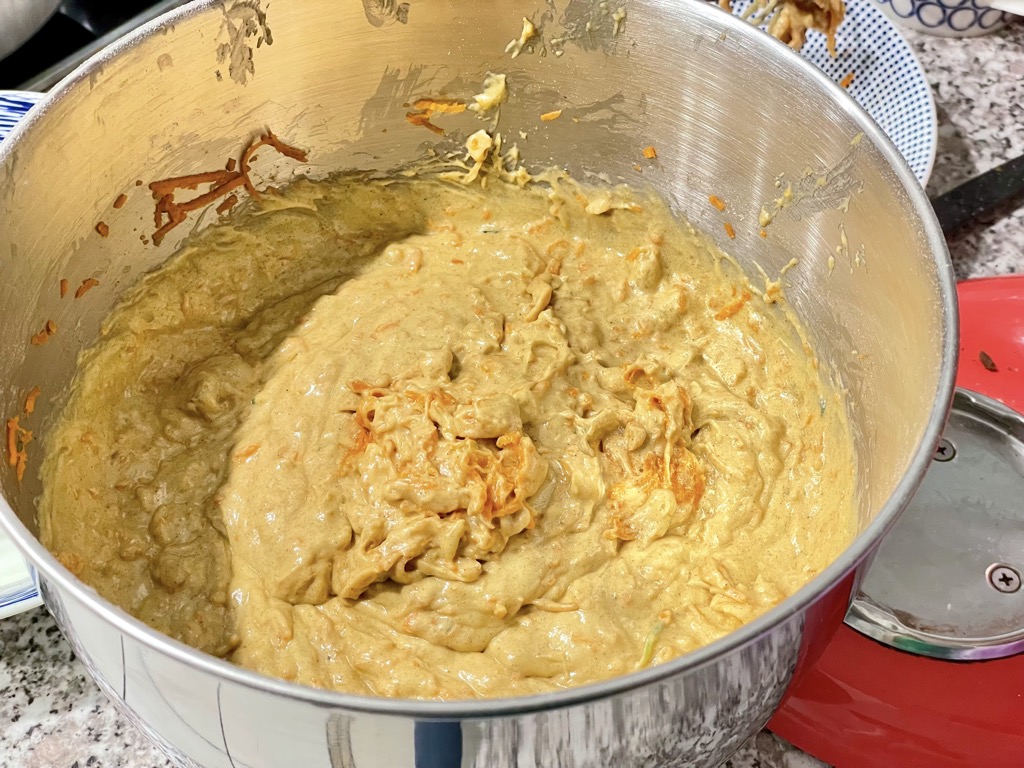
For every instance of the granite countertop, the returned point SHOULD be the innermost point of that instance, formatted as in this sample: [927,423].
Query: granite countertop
[53,716]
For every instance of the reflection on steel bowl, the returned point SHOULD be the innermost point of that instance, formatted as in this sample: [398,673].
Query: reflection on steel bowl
[20,19]
[872,286]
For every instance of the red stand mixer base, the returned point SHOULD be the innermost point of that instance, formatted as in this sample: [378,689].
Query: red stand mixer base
[866,705]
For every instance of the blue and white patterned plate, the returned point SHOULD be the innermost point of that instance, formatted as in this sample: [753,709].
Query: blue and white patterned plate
[888,81]
[19,588]
[14,105]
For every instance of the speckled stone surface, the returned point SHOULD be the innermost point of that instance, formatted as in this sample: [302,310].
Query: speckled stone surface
[979,95]
[53,716]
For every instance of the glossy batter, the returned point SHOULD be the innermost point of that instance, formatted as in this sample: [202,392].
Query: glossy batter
[423,440]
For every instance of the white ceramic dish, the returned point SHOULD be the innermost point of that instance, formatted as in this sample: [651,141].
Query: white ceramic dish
[949,18]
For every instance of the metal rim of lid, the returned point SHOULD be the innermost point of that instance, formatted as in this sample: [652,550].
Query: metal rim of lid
[885,624]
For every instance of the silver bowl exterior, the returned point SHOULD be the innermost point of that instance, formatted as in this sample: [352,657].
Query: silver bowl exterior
[728,111]
[20,19]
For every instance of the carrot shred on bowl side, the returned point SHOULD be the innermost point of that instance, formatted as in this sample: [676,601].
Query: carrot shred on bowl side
[17,439]
[30,400]
[223,183]
[87,285]
[44,335]
[229,202]
[12,441]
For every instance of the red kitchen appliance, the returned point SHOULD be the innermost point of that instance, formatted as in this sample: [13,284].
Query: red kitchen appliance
[928,669]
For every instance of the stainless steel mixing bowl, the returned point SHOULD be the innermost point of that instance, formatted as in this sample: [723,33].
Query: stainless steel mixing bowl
[727,109]
[20,19]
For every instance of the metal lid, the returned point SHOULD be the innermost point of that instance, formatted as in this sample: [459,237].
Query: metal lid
[946,581]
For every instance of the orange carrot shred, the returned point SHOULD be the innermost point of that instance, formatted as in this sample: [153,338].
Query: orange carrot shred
[423,119]
[12,441]
[730,231]
[440,106]
[103,229]
[44,335]
[716,201]
[223,183]
[17,438]
[121,200]
[65,286]
[229,202]
[30,400]
[87,285]
[847,81]
[650,153]
[191,181]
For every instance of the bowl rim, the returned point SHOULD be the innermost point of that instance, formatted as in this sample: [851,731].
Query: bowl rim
[54,573]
